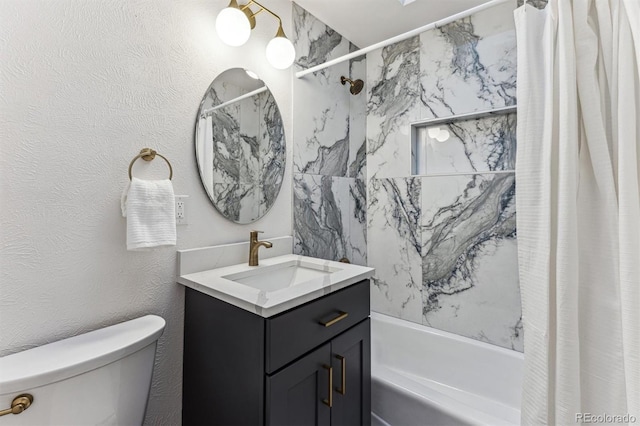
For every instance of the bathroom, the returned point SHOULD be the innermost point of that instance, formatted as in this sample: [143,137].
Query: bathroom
[86,85]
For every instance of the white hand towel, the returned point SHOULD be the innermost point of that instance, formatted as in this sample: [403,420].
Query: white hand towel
[149,206]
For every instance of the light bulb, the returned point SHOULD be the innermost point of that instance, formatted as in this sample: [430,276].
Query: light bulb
[443,135]
[233,26]
[252,74]
[280,52]
[433,132]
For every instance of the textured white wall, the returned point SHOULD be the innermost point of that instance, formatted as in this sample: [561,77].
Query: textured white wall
[84,86]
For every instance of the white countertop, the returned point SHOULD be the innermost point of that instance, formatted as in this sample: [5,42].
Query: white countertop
[267,302]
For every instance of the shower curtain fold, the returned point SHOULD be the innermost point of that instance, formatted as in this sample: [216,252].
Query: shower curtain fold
[578,203]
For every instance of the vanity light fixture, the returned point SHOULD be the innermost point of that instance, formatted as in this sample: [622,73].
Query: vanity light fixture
[234,24]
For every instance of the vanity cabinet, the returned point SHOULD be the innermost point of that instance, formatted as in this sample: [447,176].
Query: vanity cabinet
[313,390]
[306,366]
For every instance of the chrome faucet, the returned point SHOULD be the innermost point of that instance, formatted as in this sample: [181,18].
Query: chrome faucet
[254,245]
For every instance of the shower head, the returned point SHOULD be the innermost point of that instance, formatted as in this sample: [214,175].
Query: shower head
[356,86]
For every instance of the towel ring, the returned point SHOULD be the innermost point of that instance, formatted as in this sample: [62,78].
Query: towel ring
[148,154]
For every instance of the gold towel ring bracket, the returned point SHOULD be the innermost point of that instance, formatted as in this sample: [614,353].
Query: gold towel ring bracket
[148,154]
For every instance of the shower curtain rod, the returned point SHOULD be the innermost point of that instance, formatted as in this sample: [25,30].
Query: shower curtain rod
[402,37]
[232,101]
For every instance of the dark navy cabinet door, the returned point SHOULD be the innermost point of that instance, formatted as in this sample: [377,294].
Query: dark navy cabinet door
[296,395]
[299,394]
[351,361]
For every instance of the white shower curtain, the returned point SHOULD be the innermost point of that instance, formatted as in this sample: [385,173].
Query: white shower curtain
[578,204]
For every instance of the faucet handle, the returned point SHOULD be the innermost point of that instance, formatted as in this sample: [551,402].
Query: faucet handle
[254,234]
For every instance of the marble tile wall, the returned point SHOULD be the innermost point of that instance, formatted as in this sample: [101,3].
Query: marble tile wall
[248,145]
[479,145]
[272,150]
[540,4]
[329,147]
[444,247]
[395,246]
[469,257]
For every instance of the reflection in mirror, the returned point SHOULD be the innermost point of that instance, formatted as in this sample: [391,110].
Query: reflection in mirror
[240,146]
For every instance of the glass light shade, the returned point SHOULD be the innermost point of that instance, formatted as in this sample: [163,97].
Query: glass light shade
[252,74]
[280,53]
[233,26]
[443,136]
[433,132]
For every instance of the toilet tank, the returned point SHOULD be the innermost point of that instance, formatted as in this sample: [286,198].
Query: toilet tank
[98,378]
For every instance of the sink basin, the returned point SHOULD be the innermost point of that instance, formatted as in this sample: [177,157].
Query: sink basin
[282,275]
[277,284]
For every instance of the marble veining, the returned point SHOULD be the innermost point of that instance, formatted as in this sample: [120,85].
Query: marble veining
[469,265]
[357,160]
[319,222]
[329,147]
[469,65]
[237,201]
[330,160]
[357,236]
[393,93]
[329,218]
[321,126]
[540,4]
[357,167]
[235,143]
[315,41]
[394,245]
[248,152]
[272,150]
[444,247]
[480,145]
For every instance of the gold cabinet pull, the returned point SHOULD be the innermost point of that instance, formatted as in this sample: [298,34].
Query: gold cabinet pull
[343,361]
[340,317]
[329,401]
[19,404]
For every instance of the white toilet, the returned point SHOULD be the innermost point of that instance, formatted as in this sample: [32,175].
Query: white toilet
[98,378]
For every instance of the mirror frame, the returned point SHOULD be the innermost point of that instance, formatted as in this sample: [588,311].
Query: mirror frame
[210,194]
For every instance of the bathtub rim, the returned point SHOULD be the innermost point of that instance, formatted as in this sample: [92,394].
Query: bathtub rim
[377,316]
[403,381]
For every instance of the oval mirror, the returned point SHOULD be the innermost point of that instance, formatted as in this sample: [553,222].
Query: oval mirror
[240,145]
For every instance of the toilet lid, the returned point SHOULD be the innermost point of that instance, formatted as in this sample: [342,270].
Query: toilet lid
[77,355]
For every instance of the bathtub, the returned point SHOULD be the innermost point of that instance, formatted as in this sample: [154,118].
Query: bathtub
[427,377]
